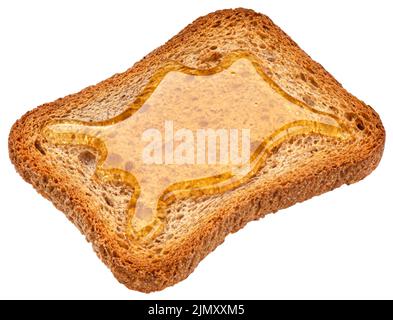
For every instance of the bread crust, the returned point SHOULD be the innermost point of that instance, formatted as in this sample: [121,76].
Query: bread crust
[136,271]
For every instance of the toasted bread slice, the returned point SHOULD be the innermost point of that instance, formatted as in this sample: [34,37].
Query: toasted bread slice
[297,168]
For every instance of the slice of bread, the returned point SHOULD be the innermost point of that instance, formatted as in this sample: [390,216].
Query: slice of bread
[298,168]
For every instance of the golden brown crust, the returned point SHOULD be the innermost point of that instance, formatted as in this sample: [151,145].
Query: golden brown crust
[351,164]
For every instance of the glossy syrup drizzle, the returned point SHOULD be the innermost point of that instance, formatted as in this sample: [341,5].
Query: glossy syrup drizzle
[232,97]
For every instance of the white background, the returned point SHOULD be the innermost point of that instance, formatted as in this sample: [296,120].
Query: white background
[338,245]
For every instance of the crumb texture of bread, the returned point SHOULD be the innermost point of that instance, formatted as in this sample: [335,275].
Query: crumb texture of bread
[298,169]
